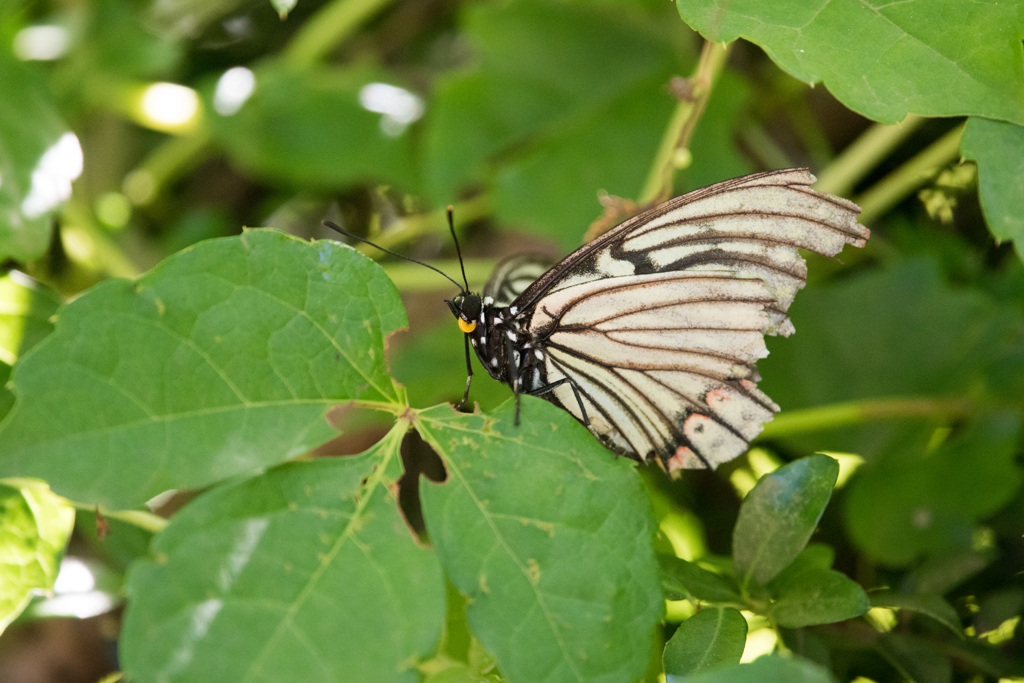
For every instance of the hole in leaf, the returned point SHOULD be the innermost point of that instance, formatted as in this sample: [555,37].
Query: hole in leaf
[417,458]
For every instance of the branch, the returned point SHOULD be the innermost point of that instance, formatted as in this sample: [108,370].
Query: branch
[676,140]
[893,188]
[409,228]
[859,412]
[857,160]
[140,518]
[328,28]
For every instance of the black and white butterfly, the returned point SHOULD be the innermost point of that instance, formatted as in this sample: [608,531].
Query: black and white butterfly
[649,334]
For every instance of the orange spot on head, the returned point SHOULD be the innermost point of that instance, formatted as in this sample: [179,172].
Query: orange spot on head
[466,326]
[747,384]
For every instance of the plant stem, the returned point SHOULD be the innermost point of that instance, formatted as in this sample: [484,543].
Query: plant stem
[91,246]
[857,160]
[408,228]
[165,164]
[894,187]
[762,146]
[684,119]
[140,518]
[328,28]
[409,277]
[858,412]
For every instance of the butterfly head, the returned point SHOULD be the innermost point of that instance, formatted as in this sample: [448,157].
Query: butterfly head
[466,309]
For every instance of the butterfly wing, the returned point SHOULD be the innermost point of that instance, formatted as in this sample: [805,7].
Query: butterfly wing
[513,275]
[659,323]
[750,227]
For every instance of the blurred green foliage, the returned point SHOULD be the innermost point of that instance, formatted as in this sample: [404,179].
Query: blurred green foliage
[135,132]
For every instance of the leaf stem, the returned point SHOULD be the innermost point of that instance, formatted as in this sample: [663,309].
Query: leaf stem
[91,246]
[409,277]
[684,119]
[858,412]
[411,227]
[894,187]
[139,518]
[165,164]
[335,22]
[395,408]
[857,160]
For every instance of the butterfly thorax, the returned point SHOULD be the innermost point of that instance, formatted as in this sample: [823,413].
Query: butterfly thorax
[500,339]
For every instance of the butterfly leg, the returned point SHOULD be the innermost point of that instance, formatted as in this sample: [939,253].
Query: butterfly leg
[575,392]
[513,366]
[469,376]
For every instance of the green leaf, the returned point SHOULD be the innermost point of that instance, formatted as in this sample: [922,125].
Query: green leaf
[549,536]
[308,127]
[908,57]
[779,515]
[814,556]
[550,99]
[39,158]
[818,596]
[934,340]
[222,359]
[998,148]
[920,660]
[25,311]
[920,500]
[769,669]
[118,42]
[553,189]
[938,574]
[35,525]
[710,639]
[983,658]
[995,609]
[932,605]
[681,579]
[305,573]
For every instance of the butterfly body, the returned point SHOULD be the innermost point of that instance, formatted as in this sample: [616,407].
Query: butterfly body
[649,334]
[507,349]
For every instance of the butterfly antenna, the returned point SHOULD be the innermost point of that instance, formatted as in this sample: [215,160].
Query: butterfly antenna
[336,228]
[451,226]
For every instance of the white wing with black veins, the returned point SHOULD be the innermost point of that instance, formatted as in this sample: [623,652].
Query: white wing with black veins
[660,321]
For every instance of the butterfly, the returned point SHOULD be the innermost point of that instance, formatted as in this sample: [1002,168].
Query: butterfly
[649,334]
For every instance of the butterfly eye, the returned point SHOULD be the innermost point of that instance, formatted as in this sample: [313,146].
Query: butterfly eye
[466,326]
